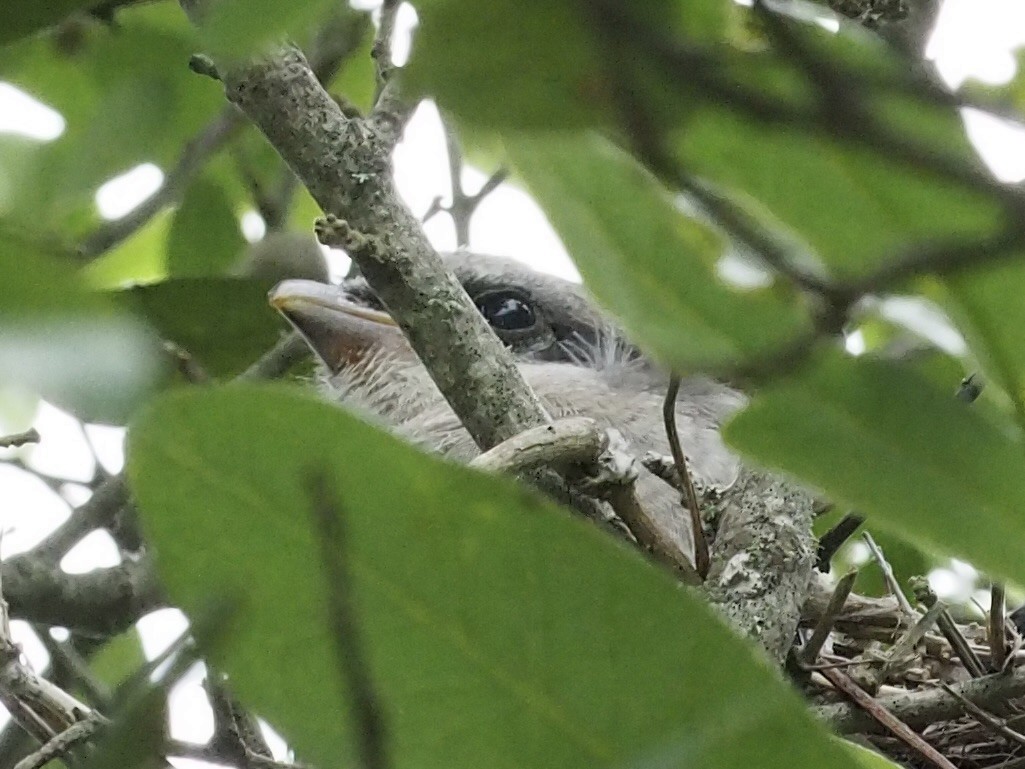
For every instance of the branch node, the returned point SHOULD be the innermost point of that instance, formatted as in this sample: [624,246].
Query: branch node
[203,65]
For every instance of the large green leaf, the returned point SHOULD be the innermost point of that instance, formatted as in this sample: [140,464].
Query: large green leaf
[205,238]
[644,259]
[499,630]
[223,323]
[511,64]
[879,438]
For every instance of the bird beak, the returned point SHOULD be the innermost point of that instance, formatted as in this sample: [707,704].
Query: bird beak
[340,331]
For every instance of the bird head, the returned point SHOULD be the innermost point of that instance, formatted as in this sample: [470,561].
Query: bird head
[574,356]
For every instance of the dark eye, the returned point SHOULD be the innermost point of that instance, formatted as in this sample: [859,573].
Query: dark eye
[506,311]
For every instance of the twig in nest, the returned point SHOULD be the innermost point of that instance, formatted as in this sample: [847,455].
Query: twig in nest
[986,719]
[997,627]
[948,627]
[832,540]
[701,561]
[810,651]
[893,724]
[902,650]
[888,576]
[20,439]
[368,714]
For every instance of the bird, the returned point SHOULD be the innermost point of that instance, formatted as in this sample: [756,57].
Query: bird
[574,355]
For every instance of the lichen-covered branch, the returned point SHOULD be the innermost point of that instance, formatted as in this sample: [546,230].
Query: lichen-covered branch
[762,558]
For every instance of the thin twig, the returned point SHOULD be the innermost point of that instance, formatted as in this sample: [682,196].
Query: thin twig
[888,576]
[65,656]
[900,651]
[701,561]
[986,719]
[925,595]
[97,511]
[187,365]
[463,206]
[59,745]
[194,156]
[381,49]
[367,711]
[833,540]
[997,627]
[20,439]
[810,651]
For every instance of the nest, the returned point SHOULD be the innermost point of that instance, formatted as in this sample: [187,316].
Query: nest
[911,682]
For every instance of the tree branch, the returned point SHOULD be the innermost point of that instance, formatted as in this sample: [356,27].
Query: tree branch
[103,602]
[920,708]
[345,165]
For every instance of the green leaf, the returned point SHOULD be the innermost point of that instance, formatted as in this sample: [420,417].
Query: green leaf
[225,324]
[24,17]
[466,58]
[121,656]
[881,439]
[854,207]
[536,65]
[869,759]
[499,630]
[205,238]
[127,96]
[142,258]
[987,304]
[240,27]
[69,345]
[644,259]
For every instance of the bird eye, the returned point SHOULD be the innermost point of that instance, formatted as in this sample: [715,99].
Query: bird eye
[506,311]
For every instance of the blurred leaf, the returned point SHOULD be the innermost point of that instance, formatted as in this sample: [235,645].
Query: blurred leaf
[141,258]
[869,759]
[121,656]
[66,343]
[987,303]
[205,238]
[224,323]
[885,441]
[24,17]
[644,259]
[127,96]
[238,28]
[855,207]
[499,631]
[471,58]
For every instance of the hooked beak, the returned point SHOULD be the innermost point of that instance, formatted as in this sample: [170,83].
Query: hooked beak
[340,331]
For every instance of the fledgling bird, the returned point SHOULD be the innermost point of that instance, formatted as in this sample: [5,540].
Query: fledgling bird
[574,356]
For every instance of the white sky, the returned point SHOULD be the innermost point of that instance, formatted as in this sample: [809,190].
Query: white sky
[974,38]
